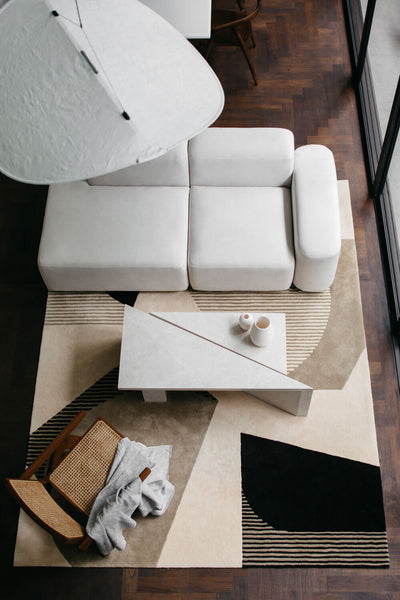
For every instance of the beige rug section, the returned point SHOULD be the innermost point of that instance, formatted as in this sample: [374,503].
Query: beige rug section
[202,527]
[341,426]
[183,421]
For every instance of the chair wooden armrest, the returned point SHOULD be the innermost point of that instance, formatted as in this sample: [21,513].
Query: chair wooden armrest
[51,448]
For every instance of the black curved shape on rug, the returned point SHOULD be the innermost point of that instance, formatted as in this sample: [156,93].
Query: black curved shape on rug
[294,489]
[124,297]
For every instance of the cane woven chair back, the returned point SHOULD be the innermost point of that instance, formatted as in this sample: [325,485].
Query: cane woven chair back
[78,476]
[83,472]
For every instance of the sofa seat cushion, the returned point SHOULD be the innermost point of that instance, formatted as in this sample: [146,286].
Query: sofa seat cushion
[124,238]
[240,238]
[242,156]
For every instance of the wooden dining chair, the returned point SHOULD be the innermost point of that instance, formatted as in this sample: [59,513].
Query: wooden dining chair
[78,471]
[233,27]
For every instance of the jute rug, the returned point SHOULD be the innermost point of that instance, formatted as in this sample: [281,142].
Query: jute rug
[255,486]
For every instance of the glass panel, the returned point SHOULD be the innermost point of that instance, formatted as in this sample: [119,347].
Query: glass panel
[384,54]
[384,60]
[394,189]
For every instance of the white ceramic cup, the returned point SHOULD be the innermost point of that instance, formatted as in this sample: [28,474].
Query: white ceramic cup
[261,332]
[246,321]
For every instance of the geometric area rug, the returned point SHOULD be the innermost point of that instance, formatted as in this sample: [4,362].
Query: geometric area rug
[306,508]
[254,486]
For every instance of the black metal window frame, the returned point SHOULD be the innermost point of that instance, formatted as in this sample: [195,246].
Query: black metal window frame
[378,154]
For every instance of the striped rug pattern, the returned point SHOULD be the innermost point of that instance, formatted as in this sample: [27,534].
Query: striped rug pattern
[74,308]
[264,546]
[104,389]
[306,315]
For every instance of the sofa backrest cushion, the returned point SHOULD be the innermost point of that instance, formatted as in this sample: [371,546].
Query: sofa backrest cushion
[248,157]
[170,169]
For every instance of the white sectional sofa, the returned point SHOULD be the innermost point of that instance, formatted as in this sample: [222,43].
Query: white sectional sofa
[234,209]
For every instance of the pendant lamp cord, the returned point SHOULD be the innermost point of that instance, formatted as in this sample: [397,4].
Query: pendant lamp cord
[79,14]
[80,25]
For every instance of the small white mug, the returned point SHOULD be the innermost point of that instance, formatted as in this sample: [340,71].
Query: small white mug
[246,321]
[261,332]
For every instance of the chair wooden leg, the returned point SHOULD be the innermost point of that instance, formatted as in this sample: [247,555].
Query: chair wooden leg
[85,543]
[209,48]
[246,54]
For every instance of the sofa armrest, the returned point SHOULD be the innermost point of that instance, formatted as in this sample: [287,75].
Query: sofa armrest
[316,219]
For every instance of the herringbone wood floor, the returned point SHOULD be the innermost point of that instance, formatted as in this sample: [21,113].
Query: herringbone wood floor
[304,84]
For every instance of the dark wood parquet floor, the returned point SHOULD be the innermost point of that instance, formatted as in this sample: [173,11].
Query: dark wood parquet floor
[305,85]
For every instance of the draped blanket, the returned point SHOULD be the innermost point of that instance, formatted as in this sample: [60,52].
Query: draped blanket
[125,492]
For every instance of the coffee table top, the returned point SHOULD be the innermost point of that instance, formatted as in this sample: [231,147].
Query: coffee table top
[223,329]
[171,351]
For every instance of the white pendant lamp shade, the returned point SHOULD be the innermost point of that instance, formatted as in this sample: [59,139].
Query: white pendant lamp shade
[103,85]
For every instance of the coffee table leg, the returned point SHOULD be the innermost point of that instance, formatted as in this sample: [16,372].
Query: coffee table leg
[154,395]
[295,402]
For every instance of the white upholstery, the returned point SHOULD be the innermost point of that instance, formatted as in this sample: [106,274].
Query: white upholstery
[132,230]
[169,169]
[115,238]
[253,156]
[316,220]
[240,238]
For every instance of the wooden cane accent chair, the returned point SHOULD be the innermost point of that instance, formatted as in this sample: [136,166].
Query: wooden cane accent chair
[39,504]
[233,27]
[79,468]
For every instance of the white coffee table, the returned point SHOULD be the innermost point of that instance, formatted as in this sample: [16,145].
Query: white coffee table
[206,351]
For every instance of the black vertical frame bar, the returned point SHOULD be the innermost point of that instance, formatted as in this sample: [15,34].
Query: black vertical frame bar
[358,35]
[388,145]
[366,31]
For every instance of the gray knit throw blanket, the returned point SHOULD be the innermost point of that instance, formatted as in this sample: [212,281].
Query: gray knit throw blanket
[124,493]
